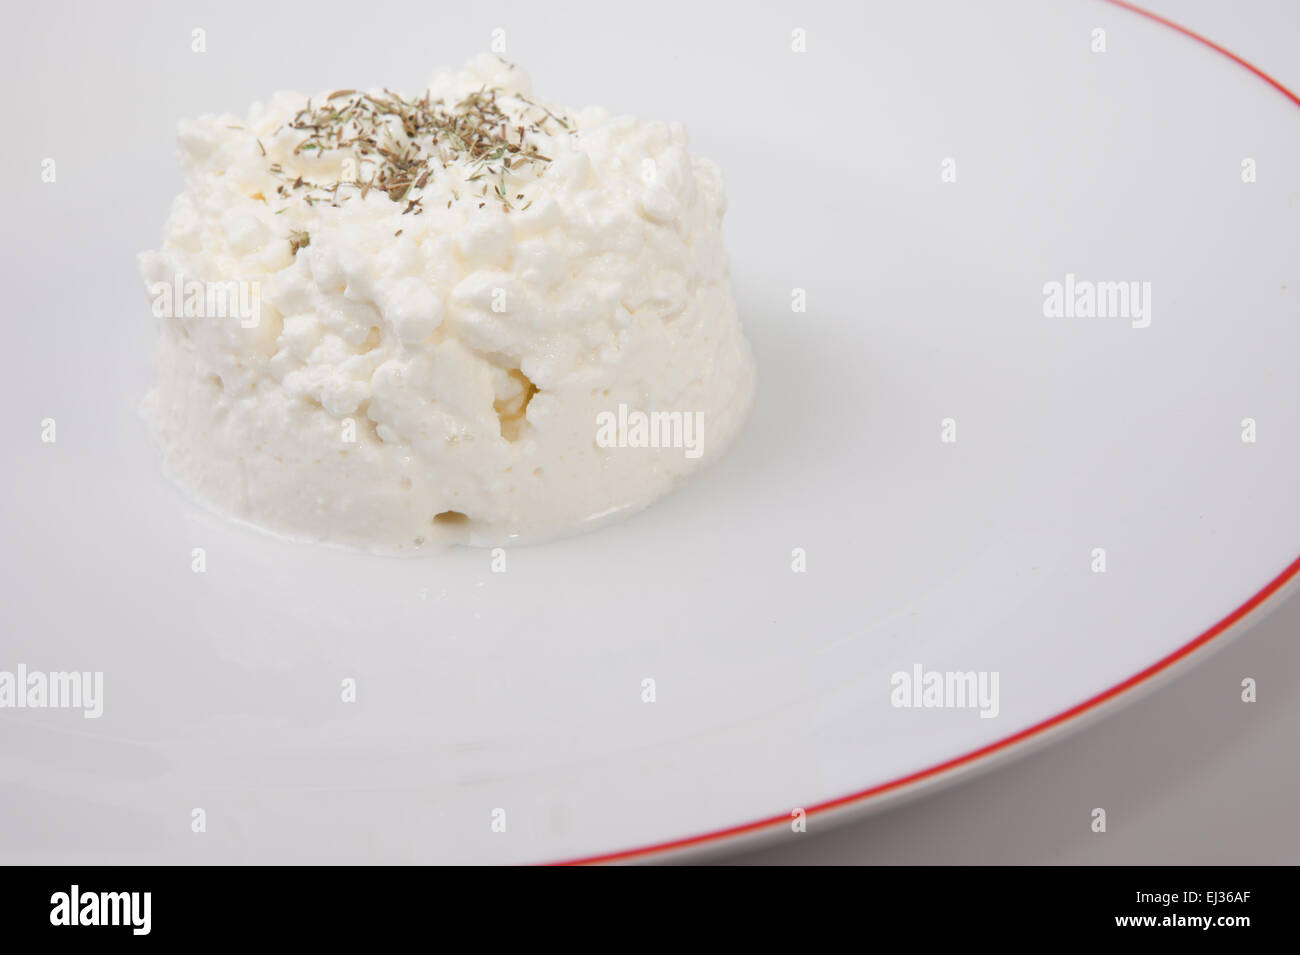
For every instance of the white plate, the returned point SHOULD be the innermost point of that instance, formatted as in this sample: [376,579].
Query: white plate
[522,691]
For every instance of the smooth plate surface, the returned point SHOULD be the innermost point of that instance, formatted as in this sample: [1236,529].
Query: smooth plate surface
[522,690]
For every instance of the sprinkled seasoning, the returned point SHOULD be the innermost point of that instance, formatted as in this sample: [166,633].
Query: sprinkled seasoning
[402,145]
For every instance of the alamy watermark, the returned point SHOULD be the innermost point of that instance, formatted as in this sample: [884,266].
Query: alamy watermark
[946,689]
[653,429]
[232,298]
[35,690]
[127,909]
[1083,298]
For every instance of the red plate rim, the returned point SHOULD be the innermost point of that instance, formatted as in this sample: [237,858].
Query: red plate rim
[1073,713]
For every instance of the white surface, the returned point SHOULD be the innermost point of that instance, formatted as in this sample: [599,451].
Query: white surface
[1190,775]
[522,690]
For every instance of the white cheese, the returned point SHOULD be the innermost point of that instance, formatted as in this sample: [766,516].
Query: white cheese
[404,377]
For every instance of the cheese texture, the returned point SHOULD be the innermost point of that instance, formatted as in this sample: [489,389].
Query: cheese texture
[349,353]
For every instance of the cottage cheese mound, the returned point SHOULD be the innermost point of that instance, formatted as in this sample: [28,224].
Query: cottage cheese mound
[390,323]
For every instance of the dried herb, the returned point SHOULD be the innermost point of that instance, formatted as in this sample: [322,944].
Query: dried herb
[403,144]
